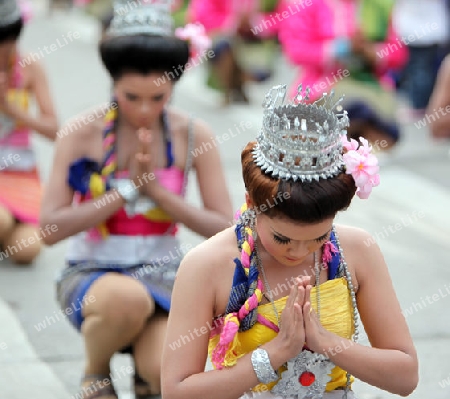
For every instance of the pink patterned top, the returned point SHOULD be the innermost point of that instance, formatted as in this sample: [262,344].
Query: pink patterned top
[156,221]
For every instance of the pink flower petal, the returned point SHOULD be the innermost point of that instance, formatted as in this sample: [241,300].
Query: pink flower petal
[363,194]
[365,148]
[361,179]
[375,180]
[349,145]
[352,161]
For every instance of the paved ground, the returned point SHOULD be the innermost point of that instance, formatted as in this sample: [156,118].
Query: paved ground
[408,214]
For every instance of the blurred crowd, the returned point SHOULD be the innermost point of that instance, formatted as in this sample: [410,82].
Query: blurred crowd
[384,54]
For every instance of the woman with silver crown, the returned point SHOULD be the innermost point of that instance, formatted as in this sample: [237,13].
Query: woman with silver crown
[116,189]
[278,312]
[20,81]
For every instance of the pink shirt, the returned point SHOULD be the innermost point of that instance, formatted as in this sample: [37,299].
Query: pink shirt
[222,16]
[308,35]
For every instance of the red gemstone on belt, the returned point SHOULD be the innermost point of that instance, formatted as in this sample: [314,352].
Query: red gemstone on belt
[306,378]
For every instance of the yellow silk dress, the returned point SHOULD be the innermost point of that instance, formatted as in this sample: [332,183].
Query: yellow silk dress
[336,315]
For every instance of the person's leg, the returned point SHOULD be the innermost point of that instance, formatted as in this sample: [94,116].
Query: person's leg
[420,75]
[6,223]
[113,319]
[23,244]
[223,66]
[147,350]
[239,77]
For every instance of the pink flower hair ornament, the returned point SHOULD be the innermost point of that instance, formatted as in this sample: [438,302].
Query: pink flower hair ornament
[362,165]
[195,35]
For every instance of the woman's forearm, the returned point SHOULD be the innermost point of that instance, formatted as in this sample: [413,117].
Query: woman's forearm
[202,221]
[75,219]
[229,383]
[388,369]
[46,126]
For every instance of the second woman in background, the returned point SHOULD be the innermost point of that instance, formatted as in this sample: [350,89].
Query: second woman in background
[129,173]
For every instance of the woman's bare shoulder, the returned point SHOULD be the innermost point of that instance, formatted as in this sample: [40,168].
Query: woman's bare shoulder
[354,238]
[81,134]
[86,123]
[361,251]
[181,120]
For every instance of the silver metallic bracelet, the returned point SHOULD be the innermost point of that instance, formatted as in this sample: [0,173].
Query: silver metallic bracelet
[263,369]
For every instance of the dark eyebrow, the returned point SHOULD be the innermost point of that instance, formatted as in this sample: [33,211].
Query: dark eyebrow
[287,238]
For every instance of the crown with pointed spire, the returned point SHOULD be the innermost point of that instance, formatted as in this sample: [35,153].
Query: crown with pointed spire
[9,12]
[137,17]
[300,140]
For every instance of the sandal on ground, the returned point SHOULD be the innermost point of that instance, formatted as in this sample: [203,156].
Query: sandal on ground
[98,388]
[142,389]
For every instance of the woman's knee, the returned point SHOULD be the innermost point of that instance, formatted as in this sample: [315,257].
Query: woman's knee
[120,300]
[6,223]
[22,243]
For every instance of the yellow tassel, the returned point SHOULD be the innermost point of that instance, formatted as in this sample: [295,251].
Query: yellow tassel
[111,115]
[107,170]
[97,188]
[96,185]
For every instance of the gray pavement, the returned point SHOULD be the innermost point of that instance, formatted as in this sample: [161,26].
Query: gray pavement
[408,214]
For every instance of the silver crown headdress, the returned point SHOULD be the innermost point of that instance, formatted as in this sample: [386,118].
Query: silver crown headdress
[301,141]
[9,12]
[135,17]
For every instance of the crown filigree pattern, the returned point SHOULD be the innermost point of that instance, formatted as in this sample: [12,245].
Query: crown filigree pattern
[301,141]
[148,17]
[9,12]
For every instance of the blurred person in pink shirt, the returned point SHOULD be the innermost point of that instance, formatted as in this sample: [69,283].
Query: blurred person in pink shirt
[349,46]
[244,33]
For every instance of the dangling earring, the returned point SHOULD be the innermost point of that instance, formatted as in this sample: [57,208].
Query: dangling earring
[249,219]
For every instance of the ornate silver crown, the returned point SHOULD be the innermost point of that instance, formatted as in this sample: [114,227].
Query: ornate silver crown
[135,17]
[9,12]
[301,141]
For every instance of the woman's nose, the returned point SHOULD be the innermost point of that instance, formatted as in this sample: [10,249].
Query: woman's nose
[144,108]
[299,250]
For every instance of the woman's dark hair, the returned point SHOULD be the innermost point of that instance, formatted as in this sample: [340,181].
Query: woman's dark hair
[307,202]
[144,54]
[11,31]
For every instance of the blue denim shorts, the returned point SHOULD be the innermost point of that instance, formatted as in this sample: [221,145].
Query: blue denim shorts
[77,278]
